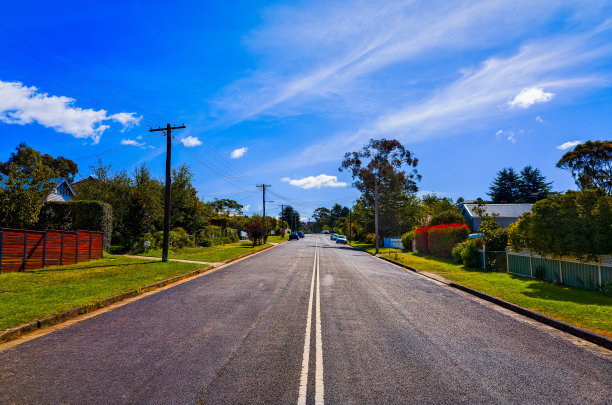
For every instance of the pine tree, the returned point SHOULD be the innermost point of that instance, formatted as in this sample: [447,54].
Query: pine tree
[505,187]
[533,185]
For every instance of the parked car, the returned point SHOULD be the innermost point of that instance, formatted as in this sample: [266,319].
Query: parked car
[300,234]
[325,232]
[293,235]
[341,239]
[334,236]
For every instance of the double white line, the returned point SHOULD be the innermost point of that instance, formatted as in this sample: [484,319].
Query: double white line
[319,389]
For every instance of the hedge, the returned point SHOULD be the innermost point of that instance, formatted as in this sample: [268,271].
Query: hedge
[75,215]
[439,240]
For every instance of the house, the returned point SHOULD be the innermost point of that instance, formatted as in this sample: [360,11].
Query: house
[62,192]
[506,214]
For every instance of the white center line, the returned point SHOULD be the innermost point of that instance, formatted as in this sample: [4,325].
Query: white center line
[306,358]
[319,389]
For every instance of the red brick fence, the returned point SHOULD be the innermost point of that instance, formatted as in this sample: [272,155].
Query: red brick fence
[22,250]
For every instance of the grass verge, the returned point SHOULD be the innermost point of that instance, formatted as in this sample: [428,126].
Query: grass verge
[215,253]
[27,296]
[587,309]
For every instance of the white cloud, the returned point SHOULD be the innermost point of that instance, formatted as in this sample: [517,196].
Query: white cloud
[238,153]
[190,141]
[499,133]
[131,142]
[530,96]
[322,180]
[22,105]
[247,207]
[539,119]
[511,137]
[568,145]
[128,120]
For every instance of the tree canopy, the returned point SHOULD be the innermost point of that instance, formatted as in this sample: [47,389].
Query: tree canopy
[387,167]
[26,160]
[590,164]
[527,186]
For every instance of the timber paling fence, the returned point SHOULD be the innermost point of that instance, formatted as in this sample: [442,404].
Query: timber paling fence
[22,250]
[588,275]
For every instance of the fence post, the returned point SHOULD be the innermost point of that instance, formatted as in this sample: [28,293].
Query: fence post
[599,270]
[76,253]
[25,248]
[90,236]
[62,250]
[484,257]
[560,273]
[530,265]
[45,249]
[102,246]
[1,246]
[507,260]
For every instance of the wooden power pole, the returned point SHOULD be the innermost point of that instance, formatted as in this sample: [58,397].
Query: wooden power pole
[263,187]
[168,130]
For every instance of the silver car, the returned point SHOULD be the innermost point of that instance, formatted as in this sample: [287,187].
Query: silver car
[341,239]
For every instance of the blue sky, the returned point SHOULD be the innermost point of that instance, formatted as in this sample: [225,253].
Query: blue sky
[277,92]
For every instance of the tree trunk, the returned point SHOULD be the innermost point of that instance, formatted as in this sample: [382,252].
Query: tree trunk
[376,215]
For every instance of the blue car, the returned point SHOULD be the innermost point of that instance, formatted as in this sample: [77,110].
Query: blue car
[300,234]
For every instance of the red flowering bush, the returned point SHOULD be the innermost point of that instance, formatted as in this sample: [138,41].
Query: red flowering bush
[439,240]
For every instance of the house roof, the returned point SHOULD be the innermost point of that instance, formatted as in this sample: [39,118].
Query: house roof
[502,210]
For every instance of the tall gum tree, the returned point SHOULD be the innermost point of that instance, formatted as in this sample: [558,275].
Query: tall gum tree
[382,165]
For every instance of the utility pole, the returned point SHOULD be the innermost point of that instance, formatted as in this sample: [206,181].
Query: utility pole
[168,130]
[350,224]
[376,214]
[263,187]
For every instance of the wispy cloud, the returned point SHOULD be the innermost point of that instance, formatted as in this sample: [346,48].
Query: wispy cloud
[131,142]
[238,153]
[322,180]
[539,119]
[190,141]
[336,52]
[568,145]
[20,104]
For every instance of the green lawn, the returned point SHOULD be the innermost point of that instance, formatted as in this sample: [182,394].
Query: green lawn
[27,296]
[214,253]
[587,309]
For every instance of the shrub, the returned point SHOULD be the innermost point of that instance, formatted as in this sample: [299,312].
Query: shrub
[456,252]
[407,240]
[255,231]
[439,240]
[370,238]
[470,254]
[75,215]
[452,216]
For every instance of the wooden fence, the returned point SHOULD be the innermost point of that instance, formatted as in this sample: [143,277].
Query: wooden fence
[22,250]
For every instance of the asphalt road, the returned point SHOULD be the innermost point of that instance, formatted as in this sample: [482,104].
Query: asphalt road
[306,322]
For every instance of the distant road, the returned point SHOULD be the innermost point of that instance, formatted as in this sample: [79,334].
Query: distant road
[306,322]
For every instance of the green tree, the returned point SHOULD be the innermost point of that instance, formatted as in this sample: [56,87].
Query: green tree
[577,224]
[21,196]
[322,218]
[291,217]
[533,185]
[26,159]
[590,164]
[505,186]
[385,173]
